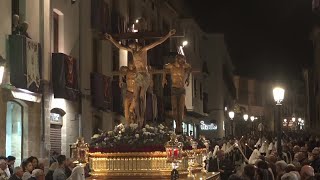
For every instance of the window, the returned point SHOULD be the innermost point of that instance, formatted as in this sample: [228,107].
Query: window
[195,87]
[205,103]
[15,7]
[201,91]
[55,32]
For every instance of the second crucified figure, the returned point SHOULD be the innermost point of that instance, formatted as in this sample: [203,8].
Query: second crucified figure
[143,78]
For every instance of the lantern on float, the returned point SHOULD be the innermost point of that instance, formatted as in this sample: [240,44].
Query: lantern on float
[174,150]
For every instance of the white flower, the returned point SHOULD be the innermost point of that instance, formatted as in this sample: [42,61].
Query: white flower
[147,126]
[110,133]
[137,136]
[118,138]
[155,130]
[123,130]
[95,136]
[144,130]
[152,128]
[162,132]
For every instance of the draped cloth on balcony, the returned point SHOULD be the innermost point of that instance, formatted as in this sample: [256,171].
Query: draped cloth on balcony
[32,56]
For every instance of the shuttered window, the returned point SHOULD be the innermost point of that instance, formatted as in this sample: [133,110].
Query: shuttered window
[55,138]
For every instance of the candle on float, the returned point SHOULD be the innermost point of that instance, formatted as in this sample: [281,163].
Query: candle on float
[175,152]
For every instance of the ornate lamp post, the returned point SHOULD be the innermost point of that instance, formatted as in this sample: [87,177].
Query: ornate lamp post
[252,127]
[294,122]
[278,95]
[231,116]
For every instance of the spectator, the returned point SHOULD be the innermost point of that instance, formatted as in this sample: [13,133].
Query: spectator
[53,157]
[53,167]
[59,173]
[307,172]
[289,176]
[37,174]
[3,167]
[77,174]
[10,161]
[249,172]
[34,161]
[27,169]
[17,174]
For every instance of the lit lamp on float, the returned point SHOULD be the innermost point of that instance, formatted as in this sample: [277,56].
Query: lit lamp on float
[231,116]
[278,95]
[174,154]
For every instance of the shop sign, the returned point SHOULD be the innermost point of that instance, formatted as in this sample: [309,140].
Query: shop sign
[207,127]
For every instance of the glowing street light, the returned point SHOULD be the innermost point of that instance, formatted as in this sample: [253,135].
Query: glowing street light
[231,115]
[245,117]
[278,95]
[252,118]
[184,43]
[293,119]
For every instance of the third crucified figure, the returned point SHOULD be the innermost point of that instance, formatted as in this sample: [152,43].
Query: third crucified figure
[143,77]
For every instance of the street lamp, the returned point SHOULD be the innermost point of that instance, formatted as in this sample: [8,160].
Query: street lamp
[184,43]
[278,95]
[231,116]
[252,128]
[245,117]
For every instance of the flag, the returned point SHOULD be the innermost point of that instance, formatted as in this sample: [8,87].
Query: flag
[32,58]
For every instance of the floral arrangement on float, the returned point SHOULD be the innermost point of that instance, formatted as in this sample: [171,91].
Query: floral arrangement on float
[131,138]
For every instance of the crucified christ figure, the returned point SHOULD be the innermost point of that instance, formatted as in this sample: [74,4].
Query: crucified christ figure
[143,78]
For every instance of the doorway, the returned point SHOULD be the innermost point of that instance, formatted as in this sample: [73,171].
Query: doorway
[14,128]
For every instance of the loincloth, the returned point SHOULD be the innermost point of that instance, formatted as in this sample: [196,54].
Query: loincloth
[143,79]
[129,95]
[177,91]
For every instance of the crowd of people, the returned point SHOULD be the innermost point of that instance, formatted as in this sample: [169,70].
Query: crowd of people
[61,168]
[299,160]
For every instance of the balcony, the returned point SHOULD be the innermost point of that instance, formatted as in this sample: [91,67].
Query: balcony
[24,63]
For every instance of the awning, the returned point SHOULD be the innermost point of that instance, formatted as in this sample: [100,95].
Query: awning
[196,118]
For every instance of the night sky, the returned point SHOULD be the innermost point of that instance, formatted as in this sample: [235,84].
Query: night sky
[266,39]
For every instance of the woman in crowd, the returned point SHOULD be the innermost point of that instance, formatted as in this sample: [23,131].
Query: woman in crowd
[27,169]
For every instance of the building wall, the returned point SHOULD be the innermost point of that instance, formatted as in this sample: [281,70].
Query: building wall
[5,24]
[257,99]
[216,54]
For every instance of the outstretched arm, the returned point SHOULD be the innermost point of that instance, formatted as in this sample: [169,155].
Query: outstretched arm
[152,45]
[110,38]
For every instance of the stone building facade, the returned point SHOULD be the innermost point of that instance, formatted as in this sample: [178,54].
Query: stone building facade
[43,123]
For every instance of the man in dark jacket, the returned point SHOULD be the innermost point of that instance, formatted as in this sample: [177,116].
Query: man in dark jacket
[17,174]
[222,165]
